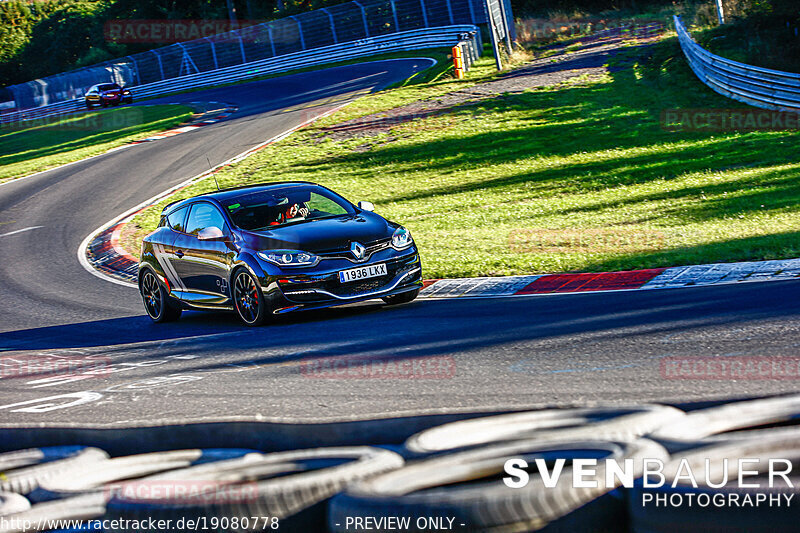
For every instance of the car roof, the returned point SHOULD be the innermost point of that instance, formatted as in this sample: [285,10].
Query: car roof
[226,194]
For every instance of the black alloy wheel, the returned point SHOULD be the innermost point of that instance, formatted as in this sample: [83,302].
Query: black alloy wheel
[157,303]
[248,299]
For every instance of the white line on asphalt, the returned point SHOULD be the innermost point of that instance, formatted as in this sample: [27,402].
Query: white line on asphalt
[19,231]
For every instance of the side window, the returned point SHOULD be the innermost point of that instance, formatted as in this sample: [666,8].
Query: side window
[204,215]
[175,220]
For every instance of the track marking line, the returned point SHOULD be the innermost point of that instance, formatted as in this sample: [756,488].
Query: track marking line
[20,231]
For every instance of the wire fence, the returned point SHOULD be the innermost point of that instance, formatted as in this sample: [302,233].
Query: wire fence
[352,21]
[465,36]
[759,87]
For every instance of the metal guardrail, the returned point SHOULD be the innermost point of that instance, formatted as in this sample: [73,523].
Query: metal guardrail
[343,23]
[759,87]
[445,36]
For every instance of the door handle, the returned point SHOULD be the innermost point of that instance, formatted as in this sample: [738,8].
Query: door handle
[179,254]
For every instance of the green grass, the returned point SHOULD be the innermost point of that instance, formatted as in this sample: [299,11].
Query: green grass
[41,146]
[586,157]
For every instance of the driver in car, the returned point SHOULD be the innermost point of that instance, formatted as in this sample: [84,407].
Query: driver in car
[293,211]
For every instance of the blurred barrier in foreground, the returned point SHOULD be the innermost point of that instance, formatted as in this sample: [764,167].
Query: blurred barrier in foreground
[640,468]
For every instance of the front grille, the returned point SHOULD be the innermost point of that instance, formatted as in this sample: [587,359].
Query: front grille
[304,294]
[344,252]
[344,290]
[361,287]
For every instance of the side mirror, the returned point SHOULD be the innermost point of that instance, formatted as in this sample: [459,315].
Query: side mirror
[366,206]
[211,233]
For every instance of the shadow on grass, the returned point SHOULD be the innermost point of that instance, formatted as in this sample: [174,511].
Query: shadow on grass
[767,190]
[75,132]
[774,246]
[611,135]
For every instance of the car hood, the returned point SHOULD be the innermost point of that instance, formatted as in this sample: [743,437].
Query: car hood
[321,235]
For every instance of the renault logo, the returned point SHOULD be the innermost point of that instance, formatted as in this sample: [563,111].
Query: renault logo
[358,250]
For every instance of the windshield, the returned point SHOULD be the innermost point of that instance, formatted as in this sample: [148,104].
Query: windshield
[292,204]
[109,87]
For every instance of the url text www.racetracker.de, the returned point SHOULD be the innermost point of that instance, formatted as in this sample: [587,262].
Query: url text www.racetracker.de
[202,523]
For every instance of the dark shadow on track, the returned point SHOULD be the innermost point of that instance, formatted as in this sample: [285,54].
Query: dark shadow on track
[429,327]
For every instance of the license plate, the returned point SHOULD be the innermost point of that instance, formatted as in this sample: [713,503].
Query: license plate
[369,271]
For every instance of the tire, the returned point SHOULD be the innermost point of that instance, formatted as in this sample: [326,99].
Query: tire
[79,508]
[26,479]
[466,486]
[255,487]
[718,424]
[35,456]
[613,423]
[11,502]
[712,518]
[88,106]
[402,298]
[158,305]
[96,477]
[248,300]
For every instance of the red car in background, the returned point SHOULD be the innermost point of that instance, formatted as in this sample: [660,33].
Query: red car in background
[106,94]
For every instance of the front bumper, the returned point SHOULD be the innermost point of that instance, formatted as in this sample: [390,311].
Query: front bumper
[116,99]
[316,290]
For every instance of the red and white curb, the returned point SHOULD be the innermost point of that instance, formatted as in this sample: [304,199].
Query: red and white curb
[655,278]
[224,111]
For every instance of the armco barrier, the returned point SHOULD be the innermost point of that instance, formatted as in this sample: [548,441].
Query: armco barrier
[342,23]
[445,36]
[759,87]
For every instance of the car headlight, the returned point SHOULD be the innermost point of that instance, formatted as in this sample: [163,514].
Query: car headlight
[126,92]
[289,258]
[401,238]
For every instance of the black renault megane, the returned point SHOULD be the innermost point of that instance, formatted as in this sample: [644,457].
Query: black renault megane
[274,248]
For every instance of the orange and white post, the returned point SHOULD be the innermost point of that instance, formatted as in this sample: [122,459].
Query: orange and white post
[458,62]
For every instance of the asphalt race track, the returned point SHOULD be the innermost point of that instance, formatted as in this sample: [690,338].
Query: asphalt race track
[347,363]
